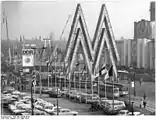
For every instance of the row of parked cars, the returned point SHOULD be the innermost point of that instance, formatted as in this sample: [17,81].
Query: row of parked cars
[19,103]
[116,107]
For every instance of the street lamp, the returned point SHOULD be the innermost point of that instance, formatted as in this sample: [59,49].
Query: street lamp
[57,97]
[132,108]
[32,100]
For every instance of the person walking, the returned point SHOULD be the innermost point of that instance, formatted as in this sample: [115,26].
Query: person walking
[141,102]
[141,79]
[144,103]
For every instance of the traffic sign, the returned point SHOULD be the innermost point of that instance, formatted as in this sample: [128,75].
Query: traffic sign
[26,70]
[28,58]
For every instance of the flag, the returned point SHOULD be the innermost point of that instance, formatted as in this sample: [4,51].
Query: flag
[109,73]
[103,70]
[77,64]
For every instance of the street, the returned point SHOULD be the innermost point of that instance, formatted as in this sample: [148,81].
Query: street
[82,109]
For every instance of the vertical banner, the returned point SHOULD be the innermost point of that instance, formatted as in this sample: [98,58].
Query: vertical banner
[27,57]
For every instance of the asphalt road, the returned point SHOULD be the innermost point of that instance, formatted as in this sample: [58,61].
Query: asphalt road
[82,109]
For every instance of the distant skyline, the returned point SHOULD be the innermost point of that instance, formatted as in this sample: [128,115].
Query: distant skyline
[31,19]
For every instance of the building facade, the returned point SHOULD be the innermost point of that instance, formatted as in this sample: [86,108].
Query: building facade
[124,47]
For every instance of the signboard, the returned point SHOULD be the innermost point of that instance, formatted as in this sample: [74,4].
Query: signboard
[28,57]
[26,70]
[132,84]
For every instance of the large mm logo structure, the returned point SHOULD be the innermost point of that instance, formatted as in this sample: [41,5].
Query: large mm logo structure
[91,49]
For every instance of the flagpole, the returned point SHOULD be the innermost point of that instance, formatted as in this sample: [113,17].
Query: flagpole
[55,71]
[91,79]
[113,90]
[65,76]
[105,89]
[48,74]
[40,75]
[79,78]
[74,79]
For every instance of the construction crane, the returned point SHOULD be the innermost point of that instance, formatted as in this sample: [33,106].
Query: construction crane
[65,26]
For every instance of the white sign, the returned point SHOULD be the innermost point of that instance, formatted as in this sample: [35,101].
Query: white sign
[28,58]
[26,70]
[132,84]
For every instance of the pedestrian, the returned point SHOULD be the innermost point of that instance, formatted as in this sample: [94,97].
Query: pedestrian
[92,107]
[141,104]
[144,103]
[141,79]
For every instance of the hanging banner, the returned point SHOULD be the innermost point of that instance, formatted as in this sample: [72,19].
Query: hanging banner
[28,57]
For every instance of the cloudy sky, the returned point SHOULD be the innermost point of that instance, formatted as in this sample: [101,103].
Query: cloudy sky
[34,18]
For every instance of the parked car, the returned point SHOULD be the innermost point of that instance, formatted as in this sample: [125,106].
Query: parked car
[54,93]
[72,94]
[83,97]
[78,96]
[92,98]
[63,92]
[46,90]
[51,109]
[123,112]
[109,108]
[66,112]
[135,114]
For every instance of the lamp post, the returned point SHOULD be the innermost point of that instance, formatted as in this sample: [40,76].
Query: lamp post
[129,92]
[57,102]
[134,84]
[132,108]
[48,72]
[32,100]
[92,79]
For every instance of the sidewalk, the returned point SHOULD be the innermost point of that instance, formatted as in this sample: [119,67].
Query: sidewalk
[150,104]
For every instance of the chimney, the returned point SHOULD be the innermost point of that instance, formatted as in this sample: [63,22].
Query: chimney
[152,11]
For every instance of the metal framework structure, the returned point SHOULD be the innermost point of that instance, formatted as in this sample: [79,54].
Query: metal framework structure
[78,37]
[92,52]
[104,34]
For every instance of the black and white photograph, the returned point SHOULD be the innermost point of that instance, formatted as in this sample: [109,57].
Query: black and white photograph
[77,58]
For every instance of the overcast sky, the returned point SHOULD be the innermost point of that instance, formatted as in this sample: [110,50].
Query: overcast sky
[40,18]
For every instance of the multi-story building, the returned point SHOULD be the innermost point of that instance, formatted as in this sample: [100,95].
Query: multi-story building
[144,35]
[124,47]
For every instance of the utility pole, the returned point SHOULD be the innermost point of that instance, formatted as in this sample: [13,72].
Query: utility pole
[48,72]
[65,74]
[40,70]
[32,100]
[113,91]
[134,84]
[129,89]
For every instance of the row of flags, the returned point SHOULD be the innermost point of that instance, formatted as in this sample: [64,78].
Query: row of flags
[103,71]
